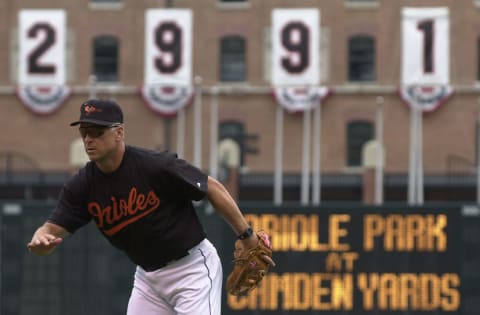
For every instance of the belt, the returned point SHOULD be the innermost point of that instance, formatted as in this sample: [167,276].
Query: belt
[171,260]
[165,263]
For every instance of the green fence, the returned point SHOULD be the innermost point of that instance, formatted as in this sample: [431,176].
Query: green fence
[342,259]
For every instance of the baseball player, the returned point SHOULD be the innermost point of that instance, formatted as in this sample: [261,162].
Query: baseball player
[141,201]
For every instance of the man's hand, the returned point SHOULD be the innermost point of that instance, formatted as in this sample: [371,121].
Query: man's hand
[43,244]
[46,239]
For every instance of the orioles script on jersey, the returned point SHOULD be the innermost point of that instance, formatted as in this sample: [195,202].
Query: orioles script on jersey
[121,212]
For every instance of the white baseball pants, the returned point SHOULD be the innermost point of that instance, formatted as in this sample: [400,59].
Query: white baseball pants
[191,285]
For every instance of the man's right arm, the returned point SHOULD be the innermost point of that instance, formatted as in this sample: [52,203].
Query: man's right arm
[46,238]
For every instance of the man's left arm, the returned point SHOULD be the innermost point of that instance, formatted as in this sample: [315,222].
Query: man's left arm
[226,206]
[253,254]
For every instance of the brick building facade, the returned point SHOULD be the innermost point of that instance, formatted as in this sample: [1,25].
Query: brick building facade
[40,143]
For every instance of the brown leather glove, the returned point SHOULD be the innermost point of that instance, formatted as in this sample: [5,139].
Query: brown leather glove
[250,266]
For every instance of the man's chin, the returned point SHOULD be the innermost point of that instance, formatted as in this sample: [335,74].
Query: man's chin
[92,156]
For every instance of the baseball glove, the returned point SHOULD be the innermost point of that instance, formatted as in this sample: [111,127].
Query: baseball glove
[250,266]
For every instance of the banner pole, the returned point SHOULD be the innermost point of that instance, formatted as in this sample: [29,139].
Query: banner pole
[197,123]
[412,158]
[278,176]
[420,157]
[316,180]
[181,132]
[305,186]
[214,132]
[478,154]
[380,153]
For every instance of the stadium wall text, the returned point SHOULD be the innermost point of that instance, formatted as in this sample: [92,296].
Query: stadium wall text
[359,260]
[346,259]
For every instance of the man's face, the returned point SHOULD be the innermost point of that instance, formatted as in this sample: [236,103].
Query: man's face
[99,141]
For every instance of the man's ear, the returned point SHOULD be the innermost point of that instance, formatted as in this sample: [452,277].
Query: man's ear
[119,133]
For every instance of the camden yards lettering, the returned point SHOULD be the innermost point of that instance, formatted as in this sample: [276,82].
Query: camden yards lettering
[122,212]
[358,261]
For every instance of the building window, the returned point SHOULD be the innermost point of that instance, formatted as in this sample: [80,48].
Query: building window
[106,1]
[232,59]
[106,4]
[358,134]
[105,59]
[233,4]
[361,58]
[235,131]
[478,59]
[361,3]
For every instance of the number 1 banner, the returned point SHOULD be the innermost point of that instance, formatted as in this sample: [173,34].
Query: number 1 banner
[168,60]
[41,64]
[296,58]
[425,79]
[425,57]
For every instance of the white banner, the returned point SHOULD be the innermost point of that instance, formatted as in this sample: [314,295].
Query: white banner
[166,100]
[426,98]
[168,47]
[295,47]
[41,62]
[425,50]
[43,100]
[295,99]
[42,47]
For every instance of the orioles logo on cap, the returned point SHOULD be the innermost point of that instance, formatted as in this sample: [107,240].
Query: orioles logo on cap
[88,109]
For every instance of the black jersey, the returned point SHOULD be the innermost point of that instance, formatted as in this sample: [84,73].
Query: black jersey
[143,208]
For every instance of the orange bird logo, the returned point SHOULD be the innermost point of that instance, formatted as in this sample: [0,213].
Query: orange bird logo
[91,109]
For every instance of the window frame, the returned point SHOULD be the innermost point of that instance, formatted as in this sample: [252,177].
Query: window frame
[354,145]
[112,60]
[238,135]
[478,58]
[225,73]
[106,4]
[362,61]
[361,4]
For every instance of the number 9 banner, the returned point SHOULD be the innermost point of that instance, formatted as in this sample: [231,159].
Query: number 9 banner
[295,40]
[167,84]
[168,46]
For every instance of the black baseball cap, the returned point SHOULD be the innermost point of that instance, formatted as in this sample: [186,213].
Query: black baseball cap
[100,112]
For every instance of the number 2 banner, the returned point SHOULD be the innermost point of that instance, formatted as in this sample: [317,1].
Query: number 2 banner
[42,47]
[425,56]
[168,65]
[41,64]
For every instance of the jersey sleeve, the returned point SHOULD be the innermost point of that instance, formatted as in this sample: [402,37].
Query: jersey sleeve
[70,211]
[186,179]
